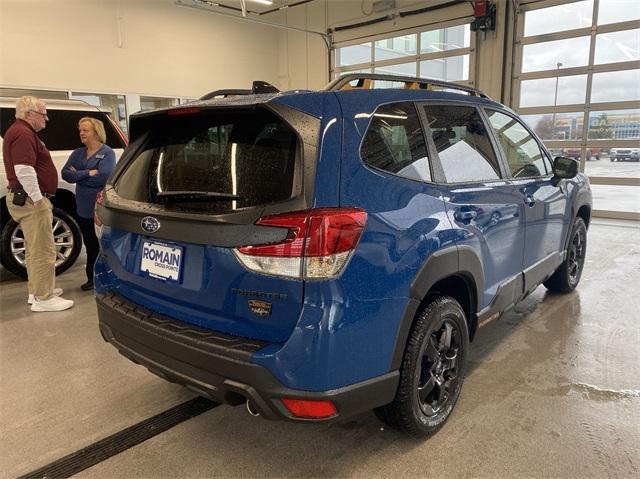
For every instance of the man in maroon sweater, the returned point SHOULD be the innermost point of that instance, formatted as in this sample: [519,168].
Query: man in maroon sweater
[33,179]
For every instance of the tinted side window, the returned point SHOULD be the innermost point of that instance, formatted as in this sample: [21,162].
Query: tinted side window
[394,142]
[520,149]
[61,132]
[463,144]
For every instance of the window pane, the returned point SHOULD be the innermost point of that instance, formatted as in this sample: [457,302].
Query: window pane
[619,161]
[616,198]
[570,90]
[346,72]
[445,39]
[558,19]
[406,69]
[463,144]
[448,69]
[618,47]
[113,104]
[395,47]
[42,94]
[394,142]
[519,147]
[616,86]
[614,124]
[354,54]
[612,11]
[572,52]
[153,102]
[559,126]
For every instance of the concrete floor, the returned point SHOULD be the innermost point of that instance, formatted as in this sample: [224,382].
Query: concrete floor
[553,390]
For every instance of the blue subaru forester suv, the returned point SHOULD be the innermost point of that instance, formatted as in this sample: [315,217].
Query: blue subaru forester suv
[319,254]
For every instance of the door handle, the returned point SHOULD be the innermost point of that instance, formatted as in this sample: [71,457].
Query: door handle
[529,201]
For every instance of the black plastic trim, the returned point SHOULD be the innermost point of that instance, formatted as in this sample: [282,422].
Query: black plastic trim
[218,366]
[540,271]
[451,261]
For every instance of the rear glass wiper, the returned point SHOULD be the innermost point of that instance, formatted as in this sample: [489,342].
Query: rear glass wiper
[196,196]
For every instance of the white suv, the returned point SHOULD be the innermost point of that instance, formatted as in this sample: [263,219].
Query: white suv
[61,137]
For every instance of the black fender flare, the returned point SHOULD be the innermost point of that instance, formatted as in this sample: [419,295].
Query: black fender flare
[459,261]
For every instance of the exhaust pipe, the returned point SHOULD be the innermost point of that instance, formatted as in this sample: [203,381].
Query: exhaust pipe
[251,408]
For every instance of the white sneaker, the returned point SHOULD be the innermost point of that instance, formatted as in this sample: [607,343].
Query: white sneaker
[54,303]
[55,292]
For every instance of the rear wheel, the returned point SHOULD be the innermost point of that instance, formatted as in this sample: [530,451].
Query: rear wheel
[66,235]
[567,276]
[432,370]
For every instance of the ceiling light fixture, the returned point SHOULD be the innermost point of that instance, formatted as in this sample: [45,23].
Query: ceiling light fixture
[264,2]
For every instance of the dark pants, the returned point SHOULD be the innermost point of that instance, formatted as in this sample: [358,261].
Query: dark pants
[90,243]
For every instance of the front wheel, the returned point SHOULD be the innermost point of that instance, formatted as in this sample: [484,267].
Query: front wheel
[432,370]
[567,276]
[66,235]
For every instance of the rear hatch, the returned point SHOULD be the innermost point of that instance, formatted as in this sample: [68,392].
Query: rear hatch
[184,201]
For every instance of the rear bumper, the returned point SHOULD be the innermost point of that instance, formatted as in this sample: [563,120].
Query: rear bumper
[219,366]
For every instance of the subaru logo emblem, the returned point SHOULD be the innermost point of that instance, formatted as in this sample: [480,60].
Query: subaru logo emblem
[150,224]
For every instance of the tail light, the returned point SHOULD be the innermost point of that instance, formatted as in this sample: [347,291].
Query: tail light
[97,222]
[307,409]
[319,243]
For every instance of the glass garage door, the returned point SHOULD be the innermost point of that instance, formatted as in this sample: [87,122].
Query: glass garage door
[443,53]
[577,83]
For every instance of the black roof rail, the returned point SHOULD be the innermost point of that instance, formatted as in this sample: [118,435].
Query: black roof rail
[258,86]
[365,82]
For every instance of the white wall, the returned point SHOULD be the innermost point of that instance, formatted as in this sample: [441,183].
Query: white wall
[166,50]
[175,51]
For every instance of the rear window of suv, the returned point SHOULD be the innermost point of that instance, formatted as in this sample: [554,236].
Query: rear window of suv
[213,161]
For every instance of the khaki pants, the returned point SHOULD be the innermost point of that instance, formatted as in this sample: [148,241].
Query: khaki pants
[35,222]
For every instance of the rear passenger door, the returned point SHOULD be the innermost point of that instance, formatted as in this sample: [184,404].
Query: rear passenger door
[546,214]
[484,207]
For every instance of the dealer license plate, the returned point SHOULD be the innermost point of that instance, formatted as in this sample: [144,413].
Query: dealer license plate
[161,260]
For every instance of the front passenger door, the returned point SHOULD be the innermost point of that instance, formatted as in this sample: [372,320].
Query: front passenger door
[546,215]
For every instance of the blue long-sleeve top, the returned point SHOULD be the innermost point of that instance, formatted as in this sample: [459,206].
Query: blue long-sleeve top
[87,186]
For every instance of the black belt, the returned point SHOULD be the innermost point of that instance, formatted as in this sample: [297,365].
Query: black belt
[46,195]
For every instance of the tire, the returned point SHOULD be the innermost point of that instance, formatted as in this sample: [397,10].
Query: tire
[66,235]
[567,276]
[432,370]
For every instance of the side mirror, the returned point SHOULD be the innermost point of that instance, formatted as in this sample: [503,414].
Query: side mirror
[564,167]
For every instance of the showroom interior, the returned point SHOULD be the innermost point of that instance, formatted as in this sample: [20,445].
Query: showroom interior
[552,387]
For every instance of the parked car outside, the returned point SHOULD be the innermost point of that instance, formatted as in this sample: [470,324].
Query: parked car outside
[592,153]
[61,137]
[625,154]
[314,255]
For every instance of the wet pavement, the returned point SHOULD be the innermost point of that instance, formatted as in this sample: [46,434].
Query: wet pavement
[553,390]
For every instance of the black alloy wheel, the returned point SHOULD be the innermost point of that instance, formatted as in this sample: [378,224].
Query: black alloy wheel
[576,254]
[439,372]
[432,370]
[567,276]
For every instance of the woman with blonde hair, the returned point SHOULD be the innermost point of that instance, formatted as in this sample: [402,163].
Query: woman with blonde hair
[89,167]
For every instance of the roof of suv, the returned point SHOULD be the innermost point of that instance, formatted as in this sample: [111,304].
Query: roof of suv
[345,87]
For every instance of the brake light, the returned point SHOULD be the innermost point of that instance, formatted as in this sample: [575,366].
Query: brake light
[310,409]
[97,221]
[184,111]
[319,243]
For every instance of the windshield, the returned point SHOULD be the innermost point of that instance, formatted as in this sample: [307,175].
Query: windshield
[213,161]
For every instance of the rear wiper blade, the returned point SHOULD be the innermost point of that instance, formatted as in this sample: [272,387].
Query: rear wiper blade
[196,196]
